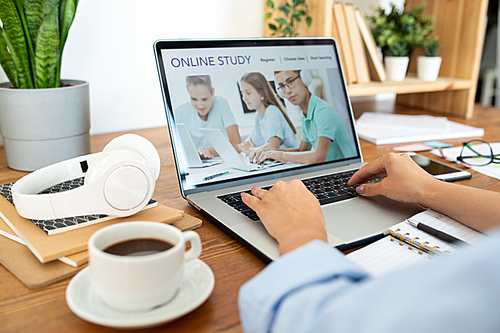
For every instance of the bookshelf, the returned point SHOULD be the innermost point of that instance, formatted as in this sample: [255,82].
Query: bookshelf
[411,84]
[460,24]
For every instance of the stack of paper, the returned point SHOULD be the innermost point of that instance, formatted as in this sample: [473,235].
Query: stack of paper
[386,128]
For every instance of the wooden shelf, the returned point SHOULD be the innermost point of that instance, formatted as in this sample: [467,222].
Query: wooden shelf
[411,84]
[460,27]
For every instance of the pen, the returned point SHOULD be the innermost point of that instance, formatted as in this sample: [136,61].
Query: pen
[434,232]
[215,176]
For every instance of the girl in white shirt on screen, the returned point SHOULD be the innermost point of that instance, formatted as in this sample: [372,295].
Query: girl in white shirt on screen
[273,128]
[205,110]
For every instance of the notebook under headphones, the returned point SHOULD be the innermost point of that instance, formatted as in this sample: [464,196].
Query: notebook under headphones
[218,66]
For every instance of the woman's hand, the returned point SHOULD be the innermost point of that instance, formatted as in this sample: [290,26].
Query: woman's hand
[404,180]
[290,213]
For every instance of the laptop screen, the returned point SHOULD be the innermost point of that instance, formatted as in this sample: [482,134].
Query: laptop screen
[254,108]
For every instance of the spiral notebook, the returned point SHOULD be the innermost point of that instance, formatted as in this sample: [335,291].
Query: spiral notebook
[407,246]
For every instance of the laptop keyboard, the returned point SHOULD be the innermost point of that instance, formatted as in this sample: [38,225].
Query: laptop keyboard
[327,189]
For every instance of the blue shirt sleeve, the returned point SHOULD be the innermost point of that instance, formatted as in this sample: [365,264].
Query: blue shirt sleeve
[313,263]
[274,121]
[326,122]
[225,112]
[316,289]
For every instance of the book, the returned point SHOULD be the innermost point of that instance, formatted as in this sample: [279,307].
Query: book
[74,260]
[336,36]
[375,65]
[407,246]
[340,21]
[358,49]
[48,248]
[376,128]
[20,261]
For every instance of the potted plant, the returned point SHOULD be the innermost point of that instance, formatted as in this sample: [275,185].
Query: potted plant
[428,66]
[396,58]
[43,120]
[398,32]
[288,16]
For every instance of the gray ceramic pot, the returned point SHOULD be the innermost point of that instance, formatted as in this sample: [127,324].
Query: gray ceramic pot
[40,127]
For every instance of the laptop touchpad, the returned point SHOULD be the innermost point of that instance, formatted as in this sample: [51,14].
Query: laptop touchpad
[361,217]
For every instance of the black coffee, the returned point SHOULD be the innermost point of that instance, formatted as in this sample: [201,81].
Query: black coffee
[139,247]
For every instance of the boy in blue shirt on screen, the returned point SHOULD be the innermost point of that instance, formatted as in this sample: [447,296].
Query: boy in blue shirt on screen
[324,135]
[205,110]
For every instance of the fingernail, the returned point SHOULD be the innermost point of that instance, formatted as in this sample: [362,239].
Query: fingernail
[360,189]
[242,193]
[254,187]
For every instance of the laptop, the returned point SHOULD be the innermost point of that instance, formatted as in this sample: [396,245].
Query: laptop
[191,153]
[351,220]
[229,155]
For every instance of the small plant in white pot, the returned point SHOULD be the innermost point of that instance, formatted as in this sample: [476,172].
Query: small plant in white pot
[398,32]
[43,120]
[428,66]
[396,59]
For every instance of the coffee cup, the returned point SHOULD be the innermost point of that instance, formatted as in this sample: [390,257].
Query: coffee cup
[136,266]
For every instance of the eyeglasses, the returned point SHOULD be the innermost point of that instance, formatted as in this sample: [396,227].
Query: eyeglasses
[478,153]
[290,84]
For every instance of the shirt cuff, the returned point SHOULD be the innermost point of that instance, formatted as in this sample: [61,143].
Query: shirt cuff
[311,263]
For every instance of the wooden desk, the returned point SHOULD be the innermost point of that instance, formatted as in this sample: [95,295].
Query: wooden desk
[45,310]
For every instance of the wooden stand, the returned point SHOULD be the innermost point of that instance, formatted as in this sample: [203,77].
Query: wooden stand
[460,25]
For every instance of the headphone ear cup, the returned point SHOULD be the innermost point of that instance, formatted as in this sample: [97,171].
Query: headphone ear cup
[306,77]
[96,169]
[140,145]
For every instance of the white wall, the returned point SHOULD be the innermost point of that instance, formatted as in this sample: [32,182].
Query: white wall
[111,45]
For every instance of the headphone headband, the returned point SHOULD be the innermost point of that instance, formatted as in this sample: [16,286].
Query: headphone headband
[118,182]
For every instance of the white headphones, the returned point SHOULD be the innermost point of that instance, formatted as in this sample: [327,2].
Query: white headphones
[306,78]
[119,181]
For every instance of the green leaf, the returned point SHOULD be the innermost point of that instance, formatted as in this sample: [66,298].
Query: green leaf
[287,31]
[68,16]
[6,61]
[270,4]
[268,16]
[47,50]
[273,27]
[33,11]
[29,43]
[285,9]
[299,12]
[13,34]
[281,21]
[309,21]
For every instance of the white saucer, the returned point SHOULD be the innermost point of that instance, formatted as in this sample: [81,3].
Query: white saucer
[197,286]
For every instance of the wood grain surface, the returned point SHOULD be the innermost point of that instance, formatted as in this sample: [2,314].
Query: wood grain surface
[45,310]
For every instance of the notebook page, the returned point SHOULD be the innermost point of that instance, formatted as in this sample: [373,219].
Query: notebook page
[450,226]
[386,256]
